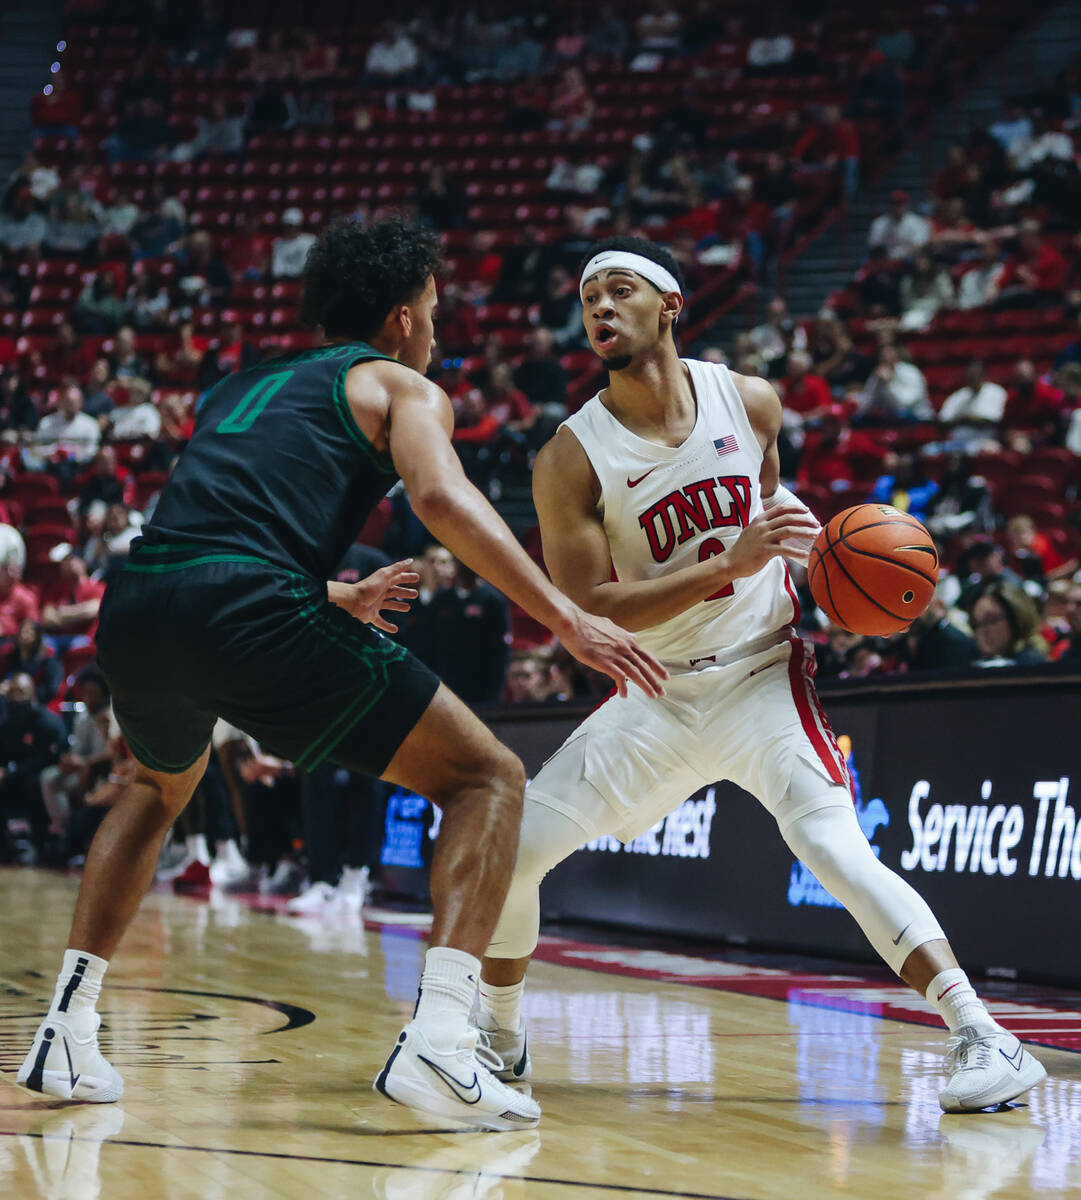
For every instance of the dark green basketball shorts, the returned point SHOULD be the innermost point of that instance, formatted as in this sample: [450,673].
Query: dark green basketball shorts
[189,634]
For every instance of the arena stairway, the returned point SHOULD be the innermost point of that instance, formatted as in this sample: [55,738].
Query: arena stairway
[29,31]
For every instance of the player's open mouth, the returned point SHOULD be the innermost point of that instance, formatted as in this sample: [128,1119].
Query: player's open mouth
[605,335]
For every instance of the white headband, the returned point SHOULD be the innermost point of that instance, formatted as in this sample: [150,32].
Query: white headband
[624,260]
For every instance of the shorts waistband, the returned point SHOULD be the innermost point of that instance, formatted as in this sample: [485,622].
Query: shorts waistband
[725,658]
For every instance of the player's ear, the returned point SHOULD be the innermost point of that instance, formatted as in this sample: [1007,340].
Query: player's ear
[671,307]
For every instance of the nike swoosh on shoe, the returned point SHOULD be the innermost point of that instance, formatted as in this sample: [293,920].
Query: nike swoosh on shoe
[71,1069]
[519,1066]
[1010,1058]
[468,1093]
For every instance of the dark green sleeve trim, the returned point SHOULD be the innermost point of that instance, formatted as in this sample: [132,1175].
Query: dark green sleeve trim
[382,462]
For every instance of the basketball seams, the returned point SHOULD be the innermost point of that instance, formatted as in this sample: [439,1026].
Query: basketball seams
[848,575]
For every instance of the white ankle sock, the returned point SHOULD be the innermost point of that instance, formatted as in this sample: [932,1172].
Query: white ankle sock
[196,847]
[448,987]
[78,985]
[955,1000]
[504,1004]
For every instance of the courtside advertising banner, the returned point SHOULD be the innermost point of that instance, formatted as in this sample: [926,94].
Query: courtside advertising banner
[971,792]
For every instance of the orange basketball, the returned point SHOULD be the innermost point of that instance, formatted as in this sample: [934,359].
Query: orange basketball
[873,569]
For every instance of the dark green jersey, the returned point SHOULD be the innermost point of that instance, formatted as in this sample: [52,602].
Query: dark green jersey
[277,467]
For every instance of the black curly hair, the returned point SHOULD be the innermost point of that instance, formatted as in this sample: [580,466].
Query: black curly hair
[636,245]
[356,274]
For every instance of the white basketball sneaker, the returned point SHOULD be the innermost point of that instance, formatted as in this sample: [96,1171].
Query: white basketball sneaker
[353,888]
[65,1061]
[319,897]
[511,1048]
[986,1069]
[458,1084]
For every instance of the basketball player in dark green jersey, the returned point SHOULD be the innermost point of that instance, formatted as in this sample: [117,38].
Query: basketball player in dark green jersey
[224,609]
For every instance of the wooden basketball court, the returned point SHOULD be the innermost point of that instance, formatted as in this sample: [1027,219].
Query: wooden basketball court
[248,1041]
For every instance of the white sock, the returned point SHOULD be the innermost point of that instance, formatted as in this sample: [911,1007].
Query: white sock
[78,985]
[955,1000]
[504,1004]
[196,847]
[448,987]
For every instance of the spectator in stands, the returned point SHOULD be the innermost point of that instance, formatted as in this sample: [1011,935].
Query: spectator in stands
[67,432]
[935,643]
[527,679]
[963,501]
[1014,128]
[572,110]
[70,617]
[17,602]
[833,353]
[458,329]
[773,339]
[561,310]
[511,407]
[925,290]
[141,135]
[878,93]
[835,456]
[1005,623]
[518,56]
[57,111]
[107,551]
[832,143]
[659,29]
[21,226]
[249,252]
[524,267]
[134,417]
[476,633]
[1033,554]
[29,655]
[951,179]
[86,760]
[904,485]
[234,352]
[441,202]
[541,375]
[31,739]
[71,227]
[272,59]
[980,566]
[104,485]
[1032,276]
[202,276]
[609,35]
[12,547]
[220,133]
[975,409]
[125,360]
[900,231]
[291,249]
[980,282]
[99,309]
[393,58]
[896,391]
[316,60]
[1032,403]
[181,363]
[17,408]
[157,231]
[1044,143]
[271,109]
[802,391]
[1070,659]
[97,399]
[69,355]
[1072,352]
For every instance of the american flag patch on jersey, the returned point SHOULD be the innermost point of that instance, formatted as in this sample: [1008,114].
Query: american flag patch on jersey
[726,445]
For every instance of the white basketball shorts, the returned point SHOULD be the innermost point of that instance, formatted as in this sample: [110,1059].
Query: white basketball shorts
[757,722]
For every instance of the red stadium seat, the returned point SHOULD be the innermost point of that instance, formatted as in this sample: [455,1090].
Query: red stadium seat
[77,658]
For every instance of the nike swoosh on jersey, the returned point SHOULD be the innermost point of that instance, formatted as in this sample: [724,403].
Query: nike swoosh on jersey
[1010,1058]
[635,482]
[468,1093]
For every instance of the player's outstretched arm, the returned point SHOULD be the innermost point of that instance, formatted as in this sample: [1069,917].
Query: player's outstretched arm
[454,511]
[565,491]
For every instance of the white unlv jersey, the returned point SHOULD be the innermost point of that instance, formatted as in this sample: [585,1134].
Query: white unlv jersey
[665,507]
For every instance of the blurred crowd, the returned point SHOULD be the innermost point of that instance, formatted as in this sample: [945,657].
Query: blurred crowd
[124,297]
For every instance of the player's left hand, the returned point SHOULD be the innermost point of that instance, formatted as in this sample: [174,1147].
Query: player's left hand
[388,589]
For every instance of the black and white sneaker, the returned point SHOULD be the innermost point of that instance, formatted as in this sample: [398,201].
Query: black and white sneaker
[65,1061]
[460,1084]
[509,1046]
[986,1069]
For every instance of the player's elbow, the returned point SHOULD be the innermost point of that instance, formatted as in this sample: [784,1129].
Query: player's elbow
[432,501]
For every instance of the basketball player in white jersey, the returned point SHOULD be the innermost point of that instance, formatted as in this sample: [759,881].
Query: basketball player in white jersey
[660,507]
